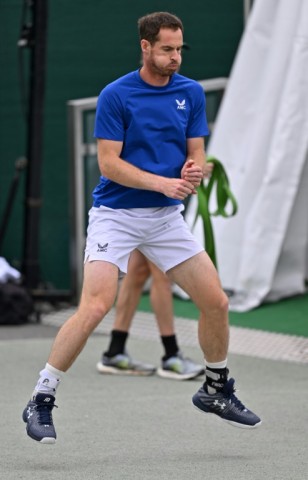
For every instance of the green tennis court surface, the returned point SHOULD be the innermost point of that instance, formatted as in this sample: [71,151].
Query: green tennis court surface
[289,316]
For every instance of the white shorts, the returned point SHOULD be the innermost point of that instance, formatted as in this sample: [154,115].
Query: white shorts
[161,234]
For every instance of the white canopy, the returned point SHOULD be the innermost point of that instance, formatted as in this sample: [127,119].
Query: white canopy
[261,137]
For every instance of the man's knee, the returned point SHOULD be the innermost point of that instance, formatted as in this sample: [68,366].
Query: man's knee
[161,282]
[224,302]
[219,303]
[95,312]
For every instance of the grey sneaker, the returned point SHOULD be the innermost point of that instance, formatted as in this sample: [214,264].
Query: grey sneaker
[123,364]
[37,415]
[226,406]
[180,368]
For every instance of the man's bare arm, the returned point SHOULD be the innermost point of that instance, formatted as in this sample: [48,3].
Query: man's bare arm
[113,167]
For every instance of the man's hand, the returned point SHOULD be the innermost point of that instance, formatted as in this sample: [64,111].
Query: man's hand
[176,188]
[193,173]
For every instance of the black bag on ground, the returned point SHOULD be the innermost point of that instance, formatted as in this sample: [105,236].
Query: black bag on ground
[16,305]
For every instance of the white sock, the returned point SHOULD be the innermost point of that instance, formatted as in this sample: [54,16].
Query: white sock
[222,364]
[49,380]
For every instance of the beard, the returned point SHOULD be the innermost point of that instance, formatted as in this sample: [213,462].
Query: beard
[164,71]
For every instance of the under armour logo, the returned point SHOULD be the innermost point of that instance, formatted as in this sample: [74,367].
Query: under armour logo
[221,405]
[29,412]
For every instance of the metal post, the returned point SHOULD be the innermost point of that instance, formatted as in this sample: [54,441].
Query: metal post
[31,269]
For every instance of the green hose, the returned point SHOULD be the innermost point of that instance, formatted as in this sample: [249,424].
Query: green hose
[218,179]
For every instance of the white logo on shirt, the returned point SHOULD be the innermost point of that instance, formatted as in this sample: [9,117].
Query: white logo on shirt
[181,105]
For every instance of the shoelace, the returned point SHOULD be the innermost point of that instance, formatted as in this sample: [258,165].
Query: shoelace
[230,394]
[44,411]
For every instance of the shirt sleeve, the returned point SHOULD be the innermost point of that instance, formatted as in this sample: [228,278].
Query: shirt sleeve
[109,122]
[198,126]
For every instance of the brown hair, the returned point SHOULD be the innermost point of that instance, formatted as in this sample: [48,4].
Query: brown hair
[150,25]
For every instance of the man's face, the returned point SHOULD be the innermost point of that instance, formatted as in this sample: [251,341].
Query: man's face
[164,57]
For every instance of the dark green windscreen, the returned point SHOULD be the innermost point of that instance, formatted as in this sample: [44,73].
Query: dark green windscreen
[89,44]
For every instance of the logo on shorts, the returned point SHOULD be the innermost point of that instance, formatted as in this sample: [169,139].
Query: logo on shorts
[102,248]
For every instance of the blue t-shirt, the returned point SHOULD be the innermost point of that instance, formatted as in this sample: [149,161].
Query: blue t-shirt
[154,124]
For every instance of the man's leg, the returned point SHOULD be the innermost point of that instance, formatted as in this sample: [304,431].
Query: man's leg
[199,278]
[97,298]
[98,294]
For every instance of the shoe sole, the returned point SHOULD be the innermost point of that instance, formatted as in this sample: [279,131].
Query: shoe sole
[44,440]
[117,371]
[178,376]
[229,422]
[48,441]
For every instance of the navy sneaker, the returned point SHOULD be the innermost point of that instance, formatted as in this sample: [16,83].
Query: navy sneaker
[226,406]
[37,416]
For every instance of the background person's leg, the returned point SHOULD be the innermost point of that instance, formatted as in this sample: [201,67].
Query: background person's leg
[162,301]
[116,360]
[174,364]
[130,290]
